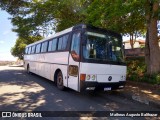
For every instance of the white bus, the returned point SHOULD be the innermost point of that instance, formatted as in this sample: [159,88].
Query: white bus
[82,58]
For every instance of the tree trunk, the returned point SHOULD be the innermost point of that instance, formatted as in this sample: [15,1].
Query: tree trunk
[147,52]
[153,52]
[131,41]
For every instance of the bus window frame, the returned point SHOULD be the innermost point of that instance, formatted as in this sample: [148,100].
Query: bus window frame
[39,48]
[61,36]
[42,47]
[33,51]
[26,51]
[29,50]
[51,40]
[83,41]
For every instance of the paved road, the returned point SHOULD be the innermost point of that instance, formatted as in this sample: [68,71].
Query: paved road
[20,91]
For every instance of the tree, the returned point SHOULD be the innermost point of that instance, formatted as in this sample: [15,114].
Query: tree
[34,17]
[70,13]
[152,48]
[43,17]
[127,17]
[121,16]
[40,18]
[30,18]
[18,49]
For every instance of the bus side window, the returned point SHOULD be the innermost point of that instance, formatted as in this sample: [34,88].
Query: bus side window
[75,46]
[50,46]
[38,48]
[29,50]
[54,44]
[33,49]
[65,41]
[62,43]
[44,46]
[26,50]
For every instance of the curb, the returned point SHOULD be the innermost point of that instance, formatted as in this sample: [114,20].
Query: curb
[15,65]
[155,104]
[144,100]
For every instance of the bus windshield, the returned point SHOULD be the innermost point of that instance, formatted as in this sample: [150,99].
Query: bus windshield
[100,46]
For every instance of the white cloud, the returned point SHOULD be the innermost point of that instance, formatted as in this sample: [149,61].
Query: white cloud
[1,41]
[6,32]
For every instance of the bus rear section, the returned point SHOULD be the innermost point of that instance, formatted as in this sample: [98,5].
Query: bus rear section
[102,76]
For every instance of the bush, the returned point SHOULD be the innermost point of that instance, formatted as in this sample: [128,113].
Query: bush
[136,71]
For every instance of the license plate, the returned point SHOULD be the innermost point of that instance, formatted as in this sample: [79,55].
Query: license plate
[107,88]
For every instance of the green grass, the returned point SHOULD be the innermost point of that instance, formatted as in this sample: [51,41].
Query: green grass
[136,71]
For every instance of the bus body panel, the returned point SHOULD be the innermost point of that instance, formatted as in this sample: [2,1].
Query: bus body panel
[102,69]
[106,74]
[46,65]
[63,69]
[73,81]
[52,58]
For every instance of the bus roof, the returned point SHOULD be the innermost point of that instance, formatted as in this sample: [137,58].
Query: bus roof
[52,36]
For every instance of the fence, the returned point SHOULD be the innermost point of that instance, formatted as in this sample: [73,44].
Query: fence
[136,52]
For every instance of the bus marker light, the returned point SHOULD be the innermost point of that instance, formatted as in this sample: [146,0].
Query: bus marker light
[82,77]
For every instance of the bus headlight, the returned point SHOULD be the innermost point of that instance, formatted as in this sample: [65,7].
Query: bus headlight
[88,77]
[91,77]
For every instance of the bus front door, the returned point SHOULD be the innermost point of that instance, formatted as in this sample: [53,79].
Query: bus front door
[73,69]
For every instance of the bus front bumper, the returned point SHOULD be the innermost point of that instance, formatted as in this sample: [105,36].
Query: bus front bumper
[101,86]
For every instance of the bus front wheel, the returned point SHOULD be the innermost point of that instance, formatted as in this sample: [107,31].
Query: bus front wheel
[60,81]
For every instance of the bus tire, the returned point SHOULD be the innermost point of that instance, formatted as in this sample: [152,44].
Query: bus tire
[59,81]
[28,69]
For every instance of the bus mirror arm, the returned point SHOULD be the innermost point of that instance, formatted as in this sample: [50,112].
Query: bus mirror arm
[83,38]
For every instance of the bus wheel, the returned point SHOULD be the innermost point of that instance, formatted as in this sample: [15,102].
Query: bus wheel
[60,81]
[28,69]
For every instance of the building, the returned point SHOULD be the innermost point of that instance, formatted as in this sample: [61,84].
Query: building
[138,48]
[137,44]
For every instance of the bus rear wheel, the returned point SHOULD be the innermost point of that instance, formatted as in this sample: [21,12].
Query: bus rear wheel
[60,81]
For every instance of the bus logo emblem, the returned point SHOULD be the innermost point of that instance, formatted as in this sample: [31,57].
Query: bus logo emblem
[109,78]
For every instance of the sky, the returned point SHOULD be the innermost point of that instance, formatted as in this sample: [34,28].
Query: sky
[7,37]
